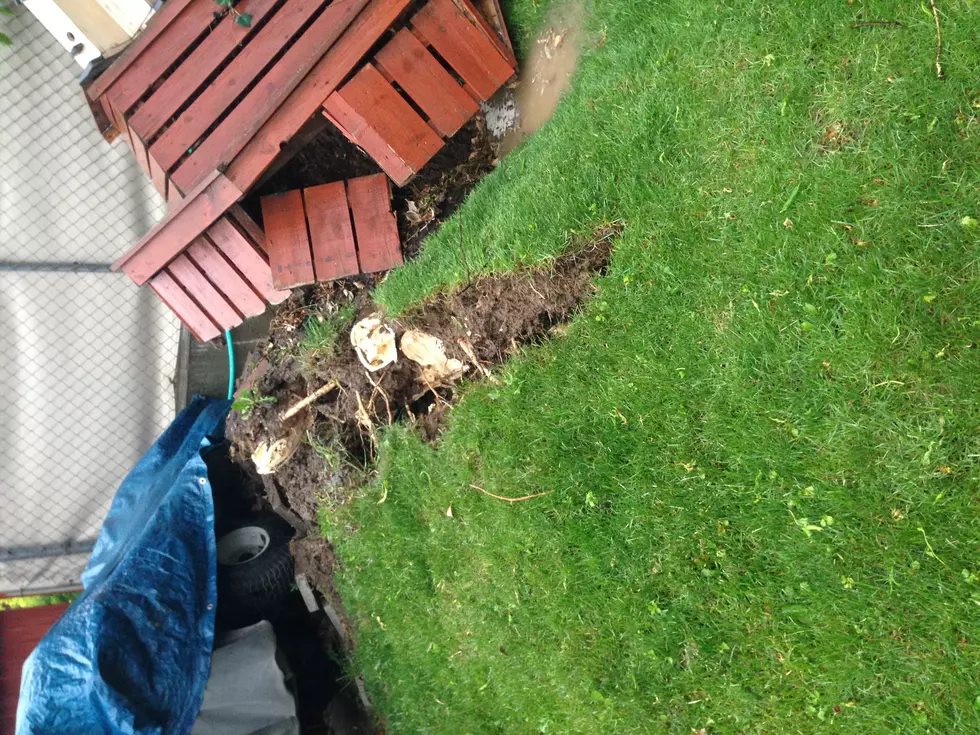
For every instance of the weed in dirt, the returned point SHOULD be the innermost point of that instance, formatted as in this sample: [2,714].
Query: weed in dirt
[250,399]
[321,331]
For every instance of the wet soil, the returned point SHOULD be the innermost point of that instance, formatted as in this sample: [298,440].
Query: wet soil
[480,324]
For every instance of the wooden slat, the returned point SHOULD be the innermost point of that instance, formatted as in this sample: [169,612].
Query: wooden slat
[139,151]
[378,246]
[341,114]
[189,276]
[289,245]
[381,109]
[180,86]
[331,235]
[179,228]
[249,227]
[158,23]
[424,79]
[246,258]
[310,94]
[225,278]
[199,323]
[174,197]
[208,107]
[465,46]
[160,55]
[158,176]
[261,102]
[499,39]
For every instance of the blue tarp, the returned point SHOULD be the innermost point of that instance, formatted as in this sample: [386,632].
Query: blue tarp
[133,652]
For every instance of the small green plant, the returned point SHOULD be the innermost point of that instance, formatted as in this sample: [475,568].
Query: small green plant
[321,332]
[242,19]
[249,400]
[5,40]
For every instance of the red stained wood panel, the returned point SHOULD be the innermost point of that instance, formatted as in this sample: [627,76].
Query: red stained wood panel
[385,112]
[341,114]
[212,301]
[464,45]
[240,250]
[211,104]
[424,79]
[259,153]
[331,234]
[188,219]
[500,38]
[139,150]
[248,116]
[289,251]
[199,323]
[160,54]
[225,278]
[187,78]
[378,246]
[158,23]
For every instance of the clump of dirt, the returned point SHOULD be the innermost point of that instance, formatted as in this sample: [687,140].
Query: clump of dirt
[479,325]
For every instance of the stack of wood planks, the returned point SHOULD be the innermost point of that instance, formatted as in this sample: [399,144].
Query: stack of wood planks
[207,104]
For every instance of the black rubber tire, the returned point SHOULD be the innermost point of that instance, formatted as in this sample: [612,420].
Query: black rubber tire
[253,589]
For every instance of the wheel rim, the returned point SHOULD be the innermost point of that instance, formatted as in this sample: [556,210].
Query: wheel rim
[242,545]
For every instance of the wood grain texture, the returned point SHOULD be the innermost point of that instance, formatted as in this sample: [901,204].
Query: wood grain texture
[248,116]
[199,288]
[331,234]
[121,64]
[212,103]
[498,37]
[187,78]
[381,109]
[188,219]
[341,114]
[248,261]
[464,46]
[199,323]
[139,151]
[225,278]
[290,256]
[259,153]
[378,246]
[160,55]
[424,79]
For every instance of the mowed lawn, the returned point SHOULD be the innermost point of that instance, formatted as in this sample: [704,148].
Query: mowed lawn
[760,437]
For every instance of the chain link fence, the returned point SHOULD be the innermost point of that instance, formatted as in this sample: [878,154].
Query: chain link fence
[87,359]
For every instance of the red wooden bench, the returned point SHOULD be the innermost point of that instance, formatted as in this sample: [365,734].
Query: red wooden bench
[207,105]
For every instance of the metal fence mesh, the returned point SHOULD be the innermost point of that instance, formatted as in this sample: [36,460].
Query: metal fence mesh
[87,359]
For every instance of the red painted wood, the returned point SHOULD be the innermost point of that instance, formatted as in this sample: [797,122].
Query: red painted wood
[197,322]
[499,39]
[158,176]
[464,45]
[248,226]
[259,153]
[190,278]
[378,246]
[331,234]
[174,197]
[424,79]
[241,251]
[157,24]
[289,251]
[262,101]
[356,130]
[21,630]
[177,230]
[160,55]
[207,108]
[187,78]
[225,278]
[139,151]
[386,112]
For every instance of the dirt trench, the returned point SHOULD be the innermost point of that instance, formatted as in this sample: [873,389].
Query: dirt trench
[480,325]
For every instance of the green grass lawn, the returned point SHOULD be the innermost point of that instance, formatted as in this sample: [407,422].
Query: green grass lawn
[760,437]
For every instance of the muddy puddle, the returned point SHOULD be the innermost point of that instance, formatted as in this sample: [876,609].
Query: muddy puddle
[546,74]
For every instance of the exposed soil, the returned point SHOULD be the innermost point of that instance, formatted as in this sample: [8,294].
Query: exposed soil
[490,318]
